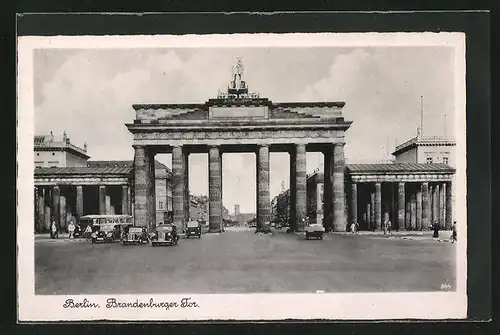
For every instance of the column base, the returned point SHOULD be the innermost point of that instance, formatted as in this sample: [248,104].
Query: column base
[338,228]
[213,230]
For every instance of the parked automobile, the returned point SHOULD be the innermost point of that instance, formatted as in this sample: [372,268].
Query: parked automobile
[193,228]
[135,235]
[105,233]
[315,230]
[165,234]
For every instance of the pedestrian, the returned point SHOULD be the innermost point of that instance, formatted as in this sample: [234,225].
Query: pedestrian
[357,228]
[53,230]
[454,232]
[71,229]
[88,231]
[435,227]
[389,226]
[384,226]
[353,228]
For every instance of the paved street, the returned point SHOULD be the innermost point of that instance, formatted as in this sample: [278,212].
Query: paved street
[239,261]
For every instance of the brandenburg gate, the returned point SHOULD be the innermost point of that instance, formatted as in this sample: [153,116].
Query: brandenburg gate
[239,121]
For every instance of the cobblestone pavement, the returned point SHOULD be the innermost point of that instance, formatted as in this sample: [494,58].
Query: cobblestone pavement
[239,261]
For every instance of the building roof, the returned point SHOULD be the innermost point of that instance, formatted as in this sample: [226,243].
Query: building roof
[420,140]
[399,167]
[121,170]
[92,163]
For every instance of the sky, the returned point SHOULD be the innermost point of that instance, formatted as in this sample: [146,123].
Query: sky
[89,94]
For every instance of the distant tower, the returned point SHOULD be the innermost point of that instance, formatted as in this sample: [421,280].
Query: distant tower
[85,146]
[282,186]
[237,210]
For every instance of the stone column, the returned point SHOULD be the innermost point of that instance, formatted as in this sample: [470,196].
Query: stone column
[435,204]
[449,206]
[108,205]
[47,223]
[140,185]
[292,217]
[214,190]
[263,196]
[408,211]
[327,189]
[187,199]
[62,213]
[300,186]
[401,206]
[442,197]
[79,202]
[419,210]
[125,199]
[178,192]
[354,202]
[150,190]
[41,209]
[378,206]
[372,211]
[413,209]
[425,206]
[368,216]
[130,202]
[102,199]
[339,221]
[56,211]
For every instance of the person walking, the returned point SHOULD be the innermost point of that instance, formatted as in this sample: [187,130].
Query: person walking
[454,232]
[53,230]
[88,231]
[71,229]
[435,227]
[353,228]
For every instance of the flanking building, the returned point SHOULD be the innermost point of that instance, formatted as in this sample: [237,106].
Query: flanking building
[68,185]
[414,192]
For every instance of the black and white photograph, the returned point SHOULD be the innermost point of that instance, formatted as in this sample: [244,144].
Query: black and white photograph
[242,177]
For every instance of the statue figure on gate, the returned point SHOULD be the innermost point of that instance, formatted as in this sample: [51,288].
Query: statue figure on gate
[238,71]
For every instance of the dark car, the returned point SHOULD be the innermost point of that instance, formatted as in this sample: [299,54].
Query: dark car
[135,235]
[193,228]
[165,234]
[315,230]
[78,233]
[105,233]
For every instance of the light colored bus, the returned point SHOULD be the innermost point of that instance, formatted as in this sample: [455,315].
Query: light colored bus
[106,220]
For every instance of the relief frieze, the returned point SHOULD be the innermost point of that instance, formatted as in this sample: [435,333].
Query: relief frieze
[243,134]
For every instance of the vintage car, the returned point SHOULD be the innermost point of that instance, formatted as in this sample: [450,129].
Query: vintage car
[315,230]
[105,233]
[134,235]
[78,232]
[165,234]
[193,228]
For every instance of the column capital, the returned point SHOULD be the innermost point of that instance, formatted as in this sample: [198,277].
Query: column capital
[137,146]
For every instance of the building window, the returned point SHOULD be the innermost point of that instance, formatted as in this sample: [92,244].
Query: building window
[38,154]
[428,160]
[160,204]
[445,160]
[53,154]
